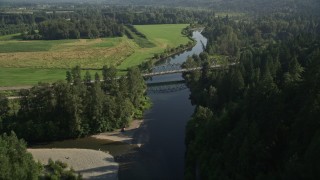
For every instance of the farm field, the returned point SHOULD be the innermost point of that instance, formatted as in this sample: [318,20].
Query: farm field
[27,76]
[90,53]
[163,36]
[28,62]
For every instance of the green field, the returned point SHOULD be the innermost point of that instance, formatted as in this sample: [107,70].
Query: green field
[27,76]
[168,34]
[27,62]
[163,36]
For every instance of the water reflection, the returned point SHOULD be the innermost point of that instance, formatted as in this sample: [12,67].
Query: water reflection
[162,156]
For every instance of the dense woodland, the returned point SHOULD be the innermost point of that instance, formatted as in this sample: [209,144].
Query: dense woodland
[258,119]
[79,107]
[12,155]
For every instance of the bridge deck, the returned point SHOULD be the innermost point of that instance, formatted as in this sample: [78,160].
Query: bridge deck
[181,70]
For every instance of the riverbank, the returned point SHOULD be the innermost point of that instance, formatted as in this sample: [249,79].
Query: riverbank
[91,164]
[94,157]
[126,136]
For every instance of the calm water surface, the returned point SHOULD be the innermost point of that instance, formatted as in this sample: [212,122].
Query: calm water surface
[162,156]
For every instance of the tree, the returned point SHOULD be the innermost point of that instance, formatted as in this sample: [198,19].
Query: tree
[4,109]
[205,72]
[136,86]
[109,75]
[59,170]
[204,56]
[294,72]
[94,109]
[69,77]
[87,78]
[16,162]
[76,75]
[237,79]
[97,78]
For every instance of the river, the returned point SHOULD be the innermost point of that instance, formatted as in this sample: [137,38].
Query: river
[163,132]
[162,157]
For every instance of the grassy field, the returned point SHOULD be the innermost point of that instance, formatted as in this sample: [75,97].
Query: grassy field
[27,76]
[91,53]
[167,34]
[27,62]
[163,36]
[29,46]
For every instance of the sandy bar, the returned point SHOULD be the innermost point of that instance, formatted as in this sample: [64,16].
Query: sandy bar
[91,164]
[125,137]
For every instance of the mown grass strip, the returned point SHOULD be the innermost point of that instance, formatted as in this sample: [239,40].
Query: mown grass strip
[140,39]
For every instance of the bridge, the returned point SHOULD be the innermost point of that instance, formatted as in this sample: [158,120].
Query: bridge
[176,68]
[172,86]
[166,87]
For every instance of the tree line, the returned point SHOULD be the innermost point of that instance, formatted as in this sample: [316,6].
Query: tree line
[258,119]
[91,21]
[227,36]
[76,28]
[81,106]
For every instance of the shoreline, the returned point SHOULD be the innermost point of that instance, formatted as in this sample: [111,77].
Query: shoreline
[125,137]
[91,164]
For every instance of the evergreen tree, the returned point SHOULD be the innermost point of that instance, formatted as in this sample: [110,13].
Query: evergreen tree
[109,75]
[16,162]
[69,77]
[4,110]
[294,72]
[76,75]
[87,78]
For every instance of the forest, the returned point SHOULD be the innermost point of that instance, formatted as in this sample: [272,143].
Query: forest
[258,119]
[14,154]
[81,106]
[91,22]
